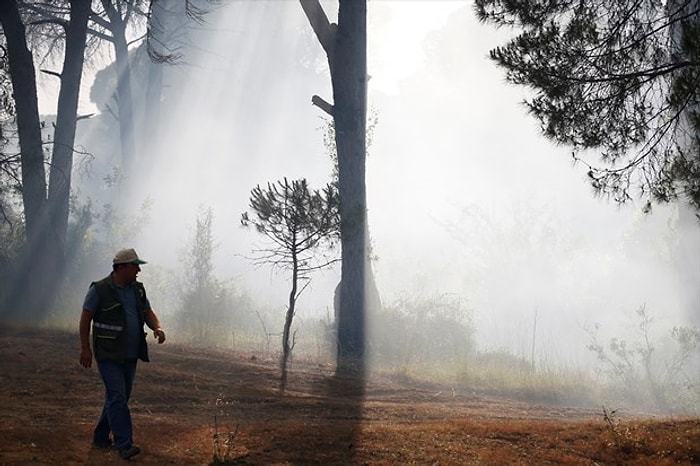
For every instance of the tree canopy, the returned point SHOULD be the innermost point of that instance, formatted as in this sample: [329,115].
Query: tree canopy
[297,222]
[620,78]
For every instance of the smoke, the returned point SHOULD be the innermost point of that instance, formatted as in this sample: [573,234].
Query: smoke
[465,198]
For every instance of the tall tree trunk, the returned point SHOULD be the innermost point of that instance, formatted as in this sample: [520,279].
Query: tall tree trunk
[46,217]
[349,79]
[64,135]
[157,23]
[23,78]
[126,111]
[346,47]
[160,26]
[117,26]
[348,75]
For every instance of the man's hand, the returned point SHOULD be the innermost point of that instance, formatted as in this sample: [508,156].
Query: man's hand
[159,334]
[85,357]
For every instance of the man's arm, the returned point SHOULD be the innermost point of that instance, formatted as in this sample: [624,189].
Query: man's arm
[154,324]
[84,330]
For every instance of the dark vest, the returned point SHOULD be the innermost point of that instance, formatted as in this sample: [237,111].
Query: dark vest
[109,322]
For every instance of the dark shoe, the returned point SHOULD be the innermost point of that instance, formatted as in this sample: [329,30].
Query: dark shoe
[102,444]
[127,453]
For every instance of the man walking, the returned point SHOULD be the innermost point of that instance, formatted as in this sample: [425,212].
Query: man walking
[118,308]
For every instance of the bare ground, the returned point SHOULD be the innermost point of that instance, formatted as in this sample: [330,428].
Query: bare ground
[187,398]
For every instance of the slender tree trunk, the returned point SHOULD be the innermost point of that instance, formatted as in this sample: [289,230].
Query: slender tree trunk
[289,317]
[154,88]
[158,21]
[66,120]
[117,26]
[124,95]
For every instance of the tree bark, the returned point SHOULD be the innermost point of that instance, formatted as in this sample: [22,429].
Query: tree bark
[46,218]
[117,26]
[157,38]
[66,120]
[21,301]
[349,79]
[288,318]
[23,76]
[346,47]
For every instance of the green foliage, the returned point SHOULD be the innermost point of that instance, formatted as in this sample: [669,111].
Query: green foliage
[11,221]
[328,130]
[92,237]
[224,445]
[7,102]
[198,260]
[11,243]
[622,78]
[499,371]
[421,331]
[208,308]
[648,371]
[297,222]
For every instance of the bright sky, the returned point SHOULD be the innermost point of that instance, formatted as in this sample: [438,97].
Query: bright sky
[395,49]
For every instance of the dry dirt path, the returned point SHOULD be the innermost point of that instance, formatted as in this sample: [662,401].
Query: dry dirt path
[48,405]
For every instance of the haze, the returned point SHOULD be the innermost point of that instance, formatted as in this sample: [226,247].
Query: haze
[465,197]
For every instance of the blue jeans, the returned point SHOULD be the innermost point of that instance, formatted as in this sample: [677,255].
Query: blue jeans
[118,379]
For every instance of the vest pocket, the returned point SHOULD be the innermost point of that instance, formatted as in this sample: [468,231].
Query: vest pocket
[107,340]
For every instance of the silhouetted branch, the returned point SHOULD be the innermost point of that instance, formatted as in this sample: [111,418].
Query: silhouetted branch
[322,104]
[324,30]
[52,73]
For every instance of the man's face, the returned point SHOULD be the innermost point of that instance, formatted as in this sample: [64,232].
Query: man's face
[128,272]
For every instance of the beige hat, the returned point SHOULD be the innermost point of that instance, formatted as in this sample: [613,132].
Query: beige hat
[127,256]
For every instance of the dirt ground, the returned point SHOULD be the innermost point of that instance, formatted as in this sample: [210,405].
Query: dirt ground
[189,402]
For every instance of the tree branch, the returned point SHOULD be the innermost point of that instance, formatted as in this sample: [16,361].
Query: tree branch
[100,35]
[324,30]
[52,73]
[56,21]
[322,104]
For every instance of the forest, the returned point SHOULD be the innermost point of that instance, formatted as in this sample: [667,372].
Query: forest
[478,196]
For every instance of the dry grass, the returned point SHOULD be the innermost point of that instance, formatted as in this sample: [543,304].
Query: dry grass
[49,404]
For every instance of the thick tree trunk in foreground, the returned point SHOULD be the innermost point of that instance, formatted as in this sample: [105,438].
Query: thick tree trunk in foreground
[346,47]
[349,77]
[46,213]
[23,76]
